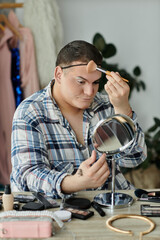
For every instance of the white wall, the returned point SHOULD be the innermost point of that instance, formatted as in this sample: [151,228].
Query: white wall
[134,27]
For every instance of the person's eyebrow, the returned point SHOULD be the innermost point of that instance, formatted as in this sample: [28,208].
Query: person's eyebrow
[82,78]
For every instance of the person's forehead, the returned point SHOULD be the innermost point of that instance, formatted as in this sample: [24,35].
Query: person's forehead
[82,71]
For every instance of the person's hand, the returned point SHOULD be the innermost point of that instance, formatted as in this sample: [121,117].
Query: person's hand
[118,92]
[92,173]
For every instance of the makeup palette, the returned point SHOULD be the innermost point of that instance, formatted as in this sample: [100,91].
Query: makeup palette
[80,214]
[150,210]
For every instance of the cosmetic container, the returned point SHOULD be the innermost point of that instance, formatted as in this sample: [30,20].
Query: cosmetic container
[7,198]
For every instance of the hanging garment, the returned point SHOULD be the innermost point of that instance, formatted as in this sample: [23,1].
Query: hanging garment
[7,107]
[15,76]
[28,66]
[42,17]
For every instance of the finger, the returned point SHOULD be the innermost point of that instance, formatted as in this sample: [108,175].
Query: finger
[117,89]
[114,83]
[104,170]
[116,76]
[92,159]
[107,89]
[97,165]
[102,179]
[111,87]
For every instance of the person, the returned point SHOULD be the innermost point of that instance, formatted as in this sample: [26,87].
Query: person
[52,147]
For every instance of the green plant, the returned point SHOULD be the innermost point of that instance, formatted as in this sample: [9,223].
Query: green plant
[152,135]
[109,50]
[152,138]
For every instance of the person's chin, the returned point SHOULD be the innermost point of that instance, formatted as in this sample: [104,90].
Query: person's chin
[84,105]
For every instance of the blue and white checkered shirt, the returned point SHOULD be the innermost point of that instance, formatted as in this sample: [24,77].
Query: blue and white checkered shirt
[45,148]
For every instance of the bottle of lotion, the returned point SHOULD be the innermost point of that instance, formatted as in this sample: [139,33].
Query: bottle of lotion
[7,198]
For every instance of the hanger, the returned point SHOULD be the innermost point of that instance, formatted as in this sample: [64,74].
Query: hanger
[2,27]
[4,19]
[11,5]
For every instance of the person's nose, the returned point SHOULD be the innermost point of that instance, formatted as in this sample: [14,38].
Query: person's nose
[89,90]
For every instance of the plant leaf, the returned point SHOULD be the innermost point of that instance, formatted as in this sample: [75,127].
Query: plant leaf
[153,128]
[137,71]
[143,85]
[157,121]
[156,136]
[109,50]
[99,42]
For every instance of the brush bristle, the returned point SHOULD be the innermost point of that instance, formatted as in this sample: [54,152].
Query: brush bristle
[91,66]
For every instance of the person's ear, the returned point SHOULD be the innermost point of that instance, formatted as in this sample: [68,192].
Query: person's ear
[58,74]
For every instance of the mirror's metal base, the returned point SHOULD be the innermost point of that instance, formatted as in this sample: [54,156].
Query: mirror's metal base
[120,200]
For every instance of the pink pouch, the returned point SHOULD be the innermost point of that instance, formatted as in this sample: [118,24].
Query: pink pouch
[26,227]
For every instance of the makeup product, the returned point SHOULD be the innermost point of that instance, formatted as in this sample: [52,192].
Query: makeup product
[154,194]
[97,207]
[48,202]
[79,203]
[150,210]
[143,193]
[80,214]
[24,198]
[91,67]
[1,194]
[33,206]
[149,199]
[63,215]
[7,198]
[16,206]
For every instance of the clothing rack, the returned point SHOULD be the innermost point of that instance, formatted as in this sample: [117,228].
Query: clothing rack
[11,5]
[3,19]
[2,27]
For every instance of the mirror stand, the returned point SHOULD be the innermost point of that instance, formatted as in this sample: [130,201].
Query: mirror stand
[114,135]
[113,199]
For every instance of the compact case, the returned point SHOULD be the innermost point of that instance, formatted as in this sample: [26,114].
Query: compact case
[80,203]
[26,227]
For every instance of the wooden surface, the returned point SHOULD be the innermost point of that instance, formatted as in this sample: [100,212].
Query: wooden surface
[95,228]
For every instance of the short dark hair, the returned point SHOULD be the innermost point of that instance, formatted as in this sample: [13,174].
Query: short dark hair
[78,50]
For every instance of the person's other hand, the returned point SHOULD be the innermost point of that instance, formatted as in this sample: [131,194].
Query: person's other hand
[92,173]
[118,92]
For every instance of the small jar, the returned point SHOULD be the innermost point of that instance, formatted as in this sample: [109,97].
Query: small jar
[7,198]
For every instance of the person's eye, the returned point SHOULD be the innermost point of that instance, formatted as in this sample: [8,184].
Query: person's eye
[80,81]
[96,82]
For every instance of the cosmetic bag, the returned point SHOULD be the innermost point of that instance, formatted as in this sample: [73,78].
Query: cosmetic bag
[26,227]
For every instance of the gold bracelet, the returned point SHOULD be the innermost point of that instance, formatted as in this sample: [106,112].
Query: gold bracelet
[111,219]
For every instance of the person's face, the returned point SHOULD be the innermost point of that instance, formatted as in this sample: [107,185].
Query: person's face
[77,87]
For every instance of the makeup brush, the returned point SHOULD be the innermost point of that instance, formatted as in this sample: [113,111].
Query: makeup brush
[91,67]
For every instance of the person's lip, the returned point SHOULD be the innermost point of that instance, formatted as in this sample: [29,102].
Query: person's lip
[86,99]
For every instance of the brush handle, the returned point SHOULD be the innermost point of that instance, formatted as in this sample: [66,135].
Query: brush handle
[109,73]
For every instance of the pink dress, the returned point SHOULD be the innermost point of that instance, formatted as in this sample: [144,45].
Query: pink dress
[30,84]
[7,108]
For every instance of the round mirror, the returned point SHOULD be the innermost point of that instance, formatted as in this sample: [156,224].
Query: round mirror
[112,136]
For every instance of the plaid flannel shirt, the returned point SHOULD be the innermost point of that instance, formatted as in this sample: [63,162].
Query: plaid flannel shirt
[45,148]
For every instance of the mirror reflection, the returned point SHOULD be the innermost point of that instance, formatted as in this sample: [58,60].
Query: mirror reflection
[114,134]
